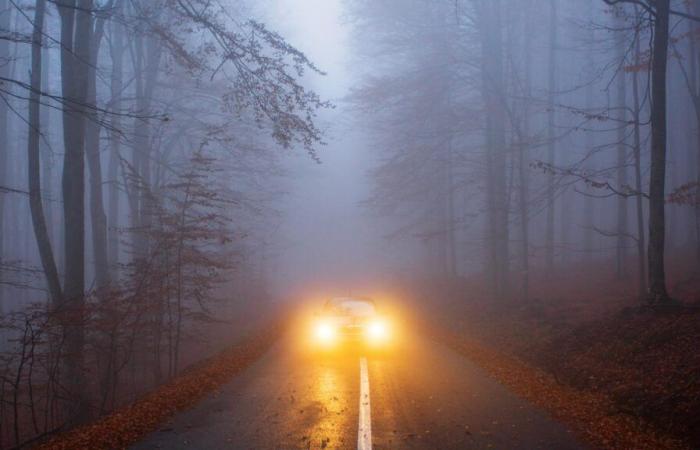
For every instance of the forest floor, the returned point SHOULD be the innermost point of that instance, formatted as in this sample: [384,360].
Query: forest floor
[589,333]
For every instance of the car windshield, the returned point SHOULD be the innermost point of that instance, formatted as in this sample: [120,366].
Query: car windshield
[350,307]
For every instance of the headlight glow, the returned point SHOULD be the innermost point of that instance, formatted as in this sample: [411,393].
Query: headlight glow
[377,330]
[325,332]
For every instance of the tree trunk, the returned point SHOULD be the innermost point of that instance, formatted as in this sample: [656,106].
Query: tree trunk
[696,59]
[48,262]
[117,54]
[451,232]
[588,205]
[98,220]
[75,21]
[694,87]
[47,157]
[641,238]
[492,78]
[621,106]
[147,60]
[5,17]
[179,274]
[552,86]
[523,175]
[657,275]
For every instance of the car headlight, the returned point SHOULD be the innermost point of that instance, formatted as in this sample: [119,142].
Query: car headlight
[378,330]
[325,332]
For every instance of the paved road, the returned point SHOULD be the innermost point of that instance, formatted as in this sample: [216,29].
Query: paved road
[423,395]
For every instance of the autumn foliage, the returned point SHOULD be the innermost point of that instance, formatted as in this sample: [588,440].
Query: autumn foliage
[621,374]
[132,334]
[126,425]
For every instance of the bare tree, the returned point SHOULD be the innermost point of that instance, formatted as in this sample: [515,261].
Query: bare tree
[637,148]
[690,75]
[98,219]
[117,49]
[494,102]
[76,25]
[657,182]
[5,16]
[33,158]
[621,118]
[659,12]
[524,144]
[551,152]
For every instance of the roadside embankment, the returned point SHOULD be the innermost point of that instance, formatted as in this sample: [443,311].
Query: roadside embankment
[622,375]
[126,425]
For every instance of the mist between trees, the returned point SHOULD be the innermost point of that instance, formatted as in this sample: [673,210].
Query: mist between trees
[140,162]
[139,158]
[531,135]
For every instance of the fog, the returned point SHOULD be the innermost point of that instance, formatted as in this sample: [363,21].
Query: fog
[328,240]
[575,114]
[176,173]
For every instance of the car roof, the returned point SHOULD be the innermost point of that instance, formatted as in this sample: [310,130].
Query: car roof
[338,300]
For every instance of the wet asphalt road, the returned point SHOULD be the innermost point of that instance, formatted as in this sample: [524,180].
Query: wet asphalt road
[422,394]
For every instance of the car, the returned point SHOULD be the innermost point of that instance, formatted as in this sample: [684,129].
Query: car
[351,320]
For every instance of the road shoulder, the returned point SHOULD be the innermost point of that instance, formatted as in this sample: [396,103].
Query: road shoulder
[592,416]
[127,425]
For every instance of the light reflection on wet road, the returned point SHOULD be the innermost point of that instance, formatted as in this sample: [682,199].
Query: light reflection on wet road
[422,396]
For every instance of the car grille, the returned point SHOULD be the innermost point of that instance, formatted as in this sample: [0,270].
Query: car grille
[352,330]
